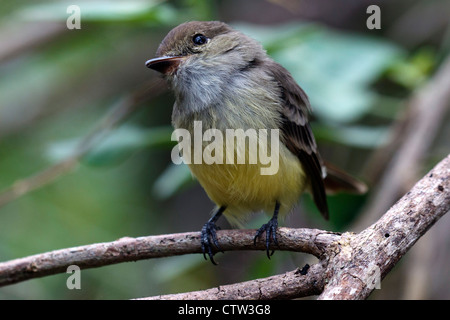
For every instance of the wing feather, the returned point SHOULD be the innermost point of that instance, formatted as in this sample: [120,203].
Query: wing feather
[297,134]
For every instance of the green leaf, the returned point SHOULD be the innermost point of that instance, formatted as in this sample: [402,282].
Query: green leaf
[117,147]
[100,10]
[173,179]
[123,142]
[355,136]
[413,72]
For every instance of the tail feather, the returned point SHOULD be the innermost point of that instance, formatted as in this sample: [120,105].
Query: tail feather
[339,181]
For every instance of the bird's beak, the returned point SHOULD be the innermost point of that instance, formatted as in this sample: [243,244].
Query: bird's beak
[165,65]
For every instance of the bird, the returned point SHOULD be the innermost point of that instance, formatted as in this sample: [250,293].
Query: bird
[225,80]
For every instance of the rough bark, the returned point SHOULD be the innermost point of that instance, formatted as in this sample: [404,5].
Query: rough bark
[298,283]
[311,241]
[356,258]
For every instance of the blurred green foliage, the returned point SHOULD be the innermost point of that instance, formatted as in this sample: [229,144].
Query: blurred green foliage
[52,94]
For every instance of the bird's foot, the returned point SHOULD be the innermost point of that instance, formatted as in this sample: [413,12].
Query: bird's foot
[270,228]
[209,239]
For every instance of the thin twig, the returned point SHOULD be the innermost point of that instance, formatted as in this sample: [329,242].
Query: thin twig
[18,38]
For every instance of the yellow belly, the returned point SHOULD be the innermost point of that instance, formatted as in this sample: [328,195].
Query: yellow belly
[243,190]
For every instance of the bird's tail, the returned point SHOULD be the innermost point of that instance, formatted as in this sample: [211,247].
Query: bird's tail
[339,181]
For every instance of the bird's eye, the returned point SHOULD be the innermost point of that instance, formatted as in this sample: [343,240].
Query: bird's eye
[199,39]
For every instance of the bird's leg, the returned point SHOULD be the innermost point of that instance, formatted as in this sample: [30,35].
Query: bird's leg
[209,237]
[270,228]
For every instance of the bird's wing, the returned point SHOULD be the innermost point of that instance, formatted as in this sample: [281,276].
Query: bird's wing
[297,134]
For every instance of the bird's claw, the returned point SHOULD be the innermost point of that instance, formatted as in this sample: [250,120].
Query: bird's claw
[209,239]
[270,228]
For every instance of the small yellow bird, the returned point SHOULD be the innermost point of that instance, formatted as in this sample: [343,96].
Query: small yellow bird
[224,80]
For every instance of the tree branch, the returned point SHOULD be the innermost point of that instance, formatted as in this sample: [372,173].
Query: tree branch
[284,286]
[379,247]
[126,249]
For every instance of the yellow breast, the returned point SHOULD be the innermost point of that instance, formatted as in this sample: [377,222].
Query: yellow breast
[243,189]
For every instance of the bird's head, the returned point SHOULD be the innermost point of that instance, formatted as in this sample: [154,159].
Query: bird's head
[204,46]
[206,61]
